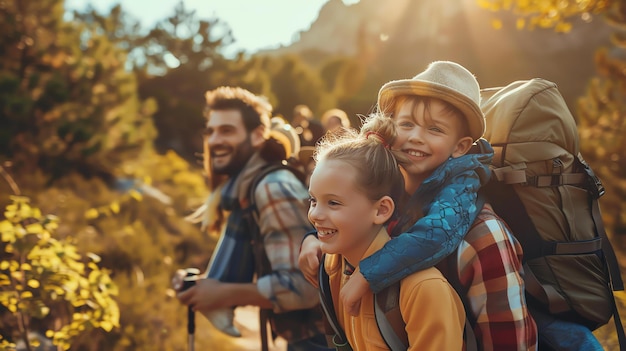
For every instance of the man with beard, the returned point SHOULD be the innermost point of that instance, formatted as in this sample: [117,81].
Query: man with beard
[239,147]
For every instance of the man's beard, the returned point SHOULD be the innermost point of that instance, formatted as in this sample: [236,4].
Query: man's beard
[240,156]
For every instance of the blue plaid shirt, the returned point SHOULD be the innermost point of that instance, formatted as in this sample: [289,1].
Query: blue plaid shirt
[282,203]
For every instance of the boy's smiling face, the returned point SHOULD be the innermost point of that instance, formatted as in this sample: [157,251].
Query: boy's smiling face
[429,133]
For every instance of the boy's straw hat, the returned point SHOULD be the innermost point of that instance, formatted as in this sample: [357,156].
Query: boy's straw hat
[447,81]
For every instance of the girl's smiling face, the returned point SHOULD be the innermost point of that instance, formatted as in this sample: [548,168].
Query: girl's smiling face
[345,218]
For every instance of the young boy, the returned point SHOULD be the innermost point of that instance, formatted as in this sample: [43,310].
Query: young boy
[438,117]
[354,188]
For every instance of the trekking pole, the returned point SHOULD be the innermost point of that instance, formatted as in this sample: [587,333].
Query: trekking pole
[188,281]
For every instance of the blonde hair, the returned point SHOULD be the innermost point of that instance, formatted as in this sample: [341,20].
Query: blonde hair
[369,152]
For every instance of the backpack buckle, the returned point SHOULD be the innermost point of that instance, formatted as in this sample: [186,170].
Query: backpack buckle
[594,185]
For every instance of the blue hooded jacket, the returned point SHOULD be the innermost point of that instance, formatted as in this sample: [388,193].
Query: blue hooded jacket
[447,218]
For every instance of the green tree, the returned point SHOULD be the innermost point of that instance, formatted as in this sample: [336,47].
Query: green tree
[67,103]
[79,142]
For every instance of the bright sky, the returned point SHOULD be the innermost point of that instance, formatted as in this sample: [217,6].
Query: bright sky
[255,24]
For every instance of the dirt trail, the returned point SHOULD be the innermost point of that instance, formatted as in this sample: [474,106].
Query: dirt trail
[247,320]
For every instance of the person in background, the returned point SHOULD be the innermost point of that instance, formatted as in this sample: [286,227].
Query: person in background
[308,128]
[286,135]
[334,119]
[307,162]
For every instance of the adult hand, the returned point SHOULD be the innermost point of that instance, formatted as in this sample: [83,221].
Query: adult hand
[353,291]
[309,259]
[206,295]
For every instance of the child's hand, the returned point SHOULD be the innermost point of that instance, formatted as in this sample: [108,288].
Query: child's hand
[309,259]
[352,292]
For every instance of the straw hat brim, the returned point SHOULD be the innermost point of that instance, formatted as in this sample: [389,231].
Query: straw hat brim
[415,87]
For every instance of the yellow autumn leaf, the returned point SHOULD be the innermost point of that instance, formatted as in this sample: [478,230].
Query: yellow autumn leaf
[25,211]
[17,275]
[106,325]
[44,310]
[115,207]
[51,224]
[9,214]
[135,195]
[26,294]
[91,213]
[34,228]
[5,226]
[19,199]
[33,283]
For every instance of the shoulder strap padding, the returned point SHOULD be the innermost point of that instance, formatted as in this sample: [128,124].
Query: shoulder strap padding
[326,301]
[262,265]
[389,317]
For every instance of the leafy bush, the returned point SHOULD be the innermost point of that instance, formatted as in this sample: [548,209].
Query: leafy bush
[46,284]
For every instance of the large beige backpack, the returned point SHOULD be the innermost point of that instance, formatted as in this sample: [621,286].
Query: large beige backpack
[547,194]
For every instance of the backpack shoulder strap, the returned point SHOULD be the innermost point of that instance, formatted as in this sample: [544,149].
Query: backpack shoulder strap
[449,267]
[270,168]
[326,301]
[392,326]
[389,318]
[597,190]
[251,214]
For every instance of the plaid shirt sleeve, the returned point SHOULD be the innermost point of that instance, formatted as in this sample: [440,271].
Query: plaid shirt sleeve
[489,267]
[282,202]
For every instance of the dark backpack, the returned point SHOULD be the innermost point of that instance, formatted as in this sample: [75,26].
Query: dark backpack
[548,195]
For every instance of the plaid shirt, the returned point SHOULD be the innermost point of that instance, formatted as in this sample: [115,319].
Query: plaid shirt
[282,203]
[489,266]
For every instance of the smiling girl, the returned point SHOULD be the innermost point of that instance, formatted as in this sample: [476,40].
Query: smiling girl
[354,189]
